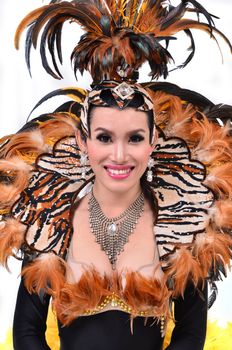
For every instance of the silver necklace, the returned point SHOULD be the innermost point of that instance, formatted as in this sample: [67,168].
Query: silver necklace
[113,233]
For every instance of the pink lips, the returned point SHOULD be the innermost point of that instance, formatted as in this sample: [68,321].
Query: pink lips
[119,172]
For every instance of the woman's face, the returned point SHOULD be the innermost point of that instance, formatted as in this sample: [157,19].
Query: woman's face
[119,147]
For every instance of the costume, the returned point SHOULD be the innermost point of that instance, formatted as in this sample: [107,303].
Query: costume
[43,175]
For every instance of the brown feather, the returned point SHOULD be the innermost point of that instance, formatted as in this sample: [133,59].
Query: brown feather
[30,18]
[144,294]
[211,249]
[183,268]
[47,272]
[17,172]
[184,24]
[179,120]
[25,142]
[76,299]
[11,238]
[222,214]
[61,126]
[138,293]
[213,143]
[150,17]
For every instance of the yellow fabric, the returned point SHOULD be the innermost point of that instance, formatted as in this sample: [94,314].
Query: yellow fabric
[217,338]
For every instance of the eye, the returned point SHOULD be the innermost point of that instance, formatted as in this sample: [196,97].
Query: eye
[104,138]
[136,138]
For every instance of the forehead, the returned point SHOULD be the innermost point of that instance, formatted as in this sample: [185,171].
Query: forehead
[113,118]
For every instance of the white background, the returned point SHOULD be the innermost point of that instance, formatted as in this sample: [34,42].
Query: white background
[19,93]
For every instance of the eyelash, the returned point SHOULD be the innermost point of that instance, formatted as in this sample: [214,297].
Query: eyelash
[136,138]
[104,138]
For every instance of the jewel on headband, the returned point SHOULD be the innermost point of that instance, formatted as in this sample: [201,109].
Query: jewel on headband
[124,90]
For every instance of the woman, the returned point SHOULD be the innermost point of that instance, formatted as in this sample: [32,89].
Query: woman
[118,145]
[120,220]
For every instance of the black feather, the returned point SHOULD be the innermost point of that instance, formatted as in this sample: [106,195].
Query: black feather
[105,23]
[220,113]
[176,13]
[58,92]
[191,48]
[190,96]
[45,63]
[213,295]
[28,45]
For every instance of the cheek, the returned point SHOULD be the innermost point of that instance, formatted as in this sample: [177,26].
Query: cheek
[142,156]
[92,154]
[96,153]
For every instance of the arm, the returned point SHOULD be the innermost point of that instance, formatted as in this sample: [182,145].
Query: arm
[30,321]
[191,319]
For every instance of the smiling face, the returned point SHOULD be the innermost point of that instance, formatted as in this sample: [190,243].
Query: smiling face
[118,148]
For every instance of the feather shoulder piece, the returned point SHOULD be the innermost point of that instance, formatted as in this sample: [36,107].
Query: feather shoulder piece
[25,177]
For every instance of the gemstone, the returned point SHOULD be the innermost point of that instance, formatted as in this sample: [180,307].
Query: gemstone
[123,90]
[112,229]
[151,162]
[149,176]
[114,303]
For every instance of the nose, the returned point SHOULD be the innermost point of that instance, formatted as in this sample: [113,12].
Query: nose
[120,152]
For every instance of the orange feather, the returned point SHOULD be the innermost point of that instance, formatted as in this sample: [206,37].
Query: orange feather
[222,214]
[57,128]
[17,172]
[25,142]
[213,143]
[212,248]
[26,21]
[76,299]
[11,238]
[46,272]
[183,268]
[220,180]
[146,294]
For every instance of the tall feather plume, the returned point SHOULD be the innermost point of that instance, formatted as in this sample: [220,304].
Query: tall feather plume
[119,35]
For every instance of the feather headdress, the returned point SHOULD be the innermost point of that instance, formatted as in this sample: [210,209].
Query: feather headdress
[120,35]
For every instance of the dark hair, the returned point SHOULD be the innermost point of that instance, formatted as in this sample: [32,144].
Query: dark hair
[134,103]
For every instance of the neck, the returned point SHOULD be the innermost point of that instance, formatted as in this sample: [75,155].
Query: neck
[114,203]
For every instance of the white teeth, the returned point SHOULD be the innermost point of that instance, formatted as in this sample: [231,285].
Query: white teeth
[118,172]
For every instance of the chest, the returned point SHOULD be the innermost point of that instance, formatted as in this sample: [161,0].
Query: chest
[138,254]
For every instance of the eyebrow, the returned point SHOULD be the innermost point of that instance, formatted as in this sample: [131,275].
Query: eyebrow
[135,131]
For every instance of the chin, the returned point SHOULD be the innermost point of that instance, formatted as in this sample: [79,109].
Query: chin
[121,186]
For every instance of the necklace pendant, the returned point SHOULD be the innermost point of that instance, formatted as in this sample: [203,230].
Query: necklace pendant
[112,234]
[112,229]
